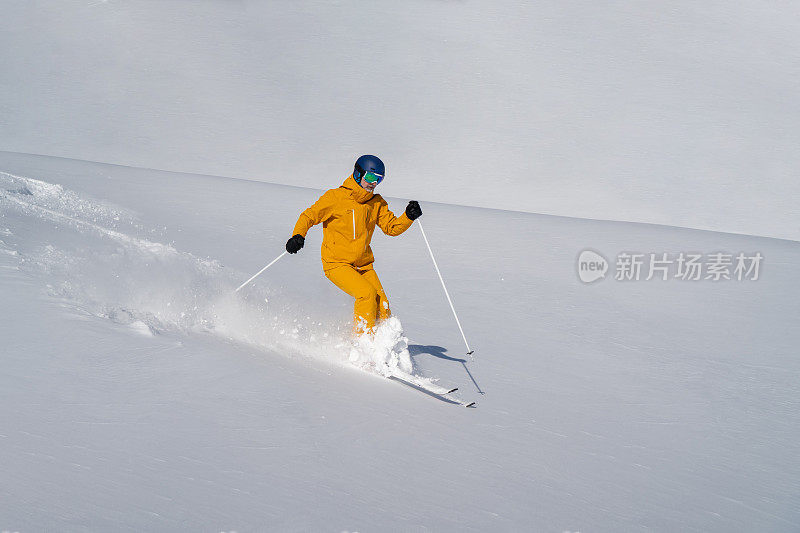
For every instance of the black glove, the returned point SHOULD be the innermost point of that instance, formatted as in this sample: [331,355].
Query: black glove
[413,210]
[294,244]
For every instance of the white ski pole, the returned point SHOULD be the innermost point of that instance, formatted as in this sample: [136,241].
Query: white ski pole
[469,351]
[260,271]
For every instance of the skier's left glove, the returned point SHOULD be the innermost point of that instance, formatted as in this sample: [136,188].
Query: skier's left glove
[413,210]
[294,244]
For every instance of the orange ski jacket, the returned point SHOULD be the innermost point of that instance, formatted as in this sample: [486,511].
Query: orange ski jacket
[349,215]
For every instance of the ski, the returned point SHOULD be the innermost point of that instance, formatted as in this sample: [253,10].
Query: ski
[435,391]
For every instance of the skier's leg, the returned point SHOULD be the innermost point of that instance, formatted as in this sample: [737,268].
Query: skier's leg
[350,281]
[383,302]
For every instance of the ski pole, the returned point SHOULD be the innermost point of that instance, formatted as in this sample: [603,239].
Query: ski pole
[469,351]
[260,271]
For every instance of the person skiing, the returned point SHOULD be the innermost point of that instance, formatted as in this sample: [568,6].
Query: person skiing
[349,215]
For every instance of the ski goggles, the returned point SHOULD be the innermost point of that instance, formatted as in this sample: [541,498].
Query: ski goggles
[372,177]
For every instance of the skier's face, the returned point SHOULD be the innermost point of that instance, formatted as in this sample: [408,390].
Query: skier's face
[370,180]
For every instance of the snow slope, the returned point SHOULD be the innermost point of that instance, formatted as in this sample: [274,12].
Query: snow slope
[681,113]
[138,393]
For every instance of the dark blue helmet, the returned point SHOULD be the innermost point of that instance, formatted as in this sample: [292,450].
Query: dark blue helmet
[368,163]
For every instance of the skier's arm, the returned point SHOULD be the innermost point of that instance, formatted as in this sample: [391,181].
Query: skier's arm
[319,212]
[390,224]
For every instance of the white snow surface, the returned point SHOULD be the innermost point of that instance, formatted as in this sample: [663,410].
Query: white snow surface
[682,113]
[138,392]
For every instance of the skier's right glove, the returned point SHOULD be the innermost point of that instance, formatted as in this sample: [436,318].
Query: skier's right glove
[294,244]
[413,210]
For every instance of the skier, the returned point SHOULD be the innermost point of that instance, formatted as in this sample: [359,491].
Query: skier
[349,215]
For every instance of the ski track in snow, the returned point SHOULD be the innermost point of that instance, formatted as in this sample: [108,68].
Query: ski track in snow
[94,259]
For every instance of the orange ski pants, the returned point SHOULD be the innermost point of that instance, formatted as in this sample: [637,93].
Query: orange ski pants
[363,285]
